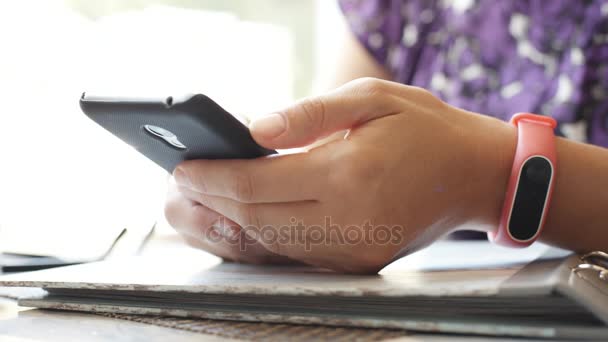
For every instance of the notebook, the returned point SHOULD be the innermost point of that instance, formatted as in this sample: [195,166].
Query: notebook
[555,296]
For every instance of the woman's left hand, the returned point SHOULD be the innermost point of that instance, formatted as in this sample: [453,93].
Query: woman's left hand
[410,170]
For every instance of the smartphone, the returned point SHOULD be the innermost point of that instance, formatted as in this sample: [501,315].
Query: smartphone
[171,130]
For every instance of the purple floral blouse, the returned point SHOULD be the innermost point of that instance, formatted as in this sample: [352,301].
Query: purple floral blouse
[497,57]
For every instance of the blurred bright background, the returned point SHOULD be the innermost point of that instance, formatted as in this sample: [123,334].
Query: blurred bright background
[66,186]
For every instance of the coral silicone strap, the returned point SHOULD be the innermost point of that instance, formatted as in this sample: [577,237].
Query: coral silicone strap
[535,138]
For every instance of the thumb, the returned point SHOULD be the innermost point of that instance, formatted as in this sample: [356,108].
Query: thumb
[317,117]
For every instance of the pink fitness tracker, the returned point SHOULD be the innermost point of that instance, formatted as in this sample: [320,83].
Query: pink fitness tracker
[531,183]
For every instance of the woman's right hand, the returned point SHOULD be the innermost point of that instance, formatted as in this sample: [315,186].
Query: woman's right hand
[203,228]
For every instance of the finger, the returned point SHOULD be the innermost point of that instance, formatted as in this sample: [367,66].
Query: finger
[188,217]
[316,117]
[253,253]
[288,229]
[253,214]
[193,219]
[193,224]
[286,178]
[215,249]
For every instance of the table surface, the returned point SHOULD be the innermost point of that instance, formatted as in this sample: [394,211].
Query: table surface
[40,325]
[28,325]
[21,324]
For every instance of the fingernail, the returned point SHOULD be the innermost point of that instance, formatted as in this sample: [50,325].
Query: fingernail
[269,127]
[229,232]
[214,234]
[181,178]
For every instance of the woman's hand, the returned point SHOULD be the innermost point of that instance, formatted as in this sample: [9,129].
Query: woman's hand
[205,229]
[410,170]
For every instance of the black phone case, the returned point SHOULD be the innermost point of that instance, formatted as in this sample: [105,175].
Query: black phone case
[205,129]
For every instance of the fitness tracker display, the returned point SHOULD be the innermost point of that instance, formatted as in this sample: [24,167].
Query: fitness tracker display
[531,182]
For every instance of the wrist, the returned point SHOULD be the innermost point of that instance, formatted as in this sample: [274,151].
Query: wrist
[492,143]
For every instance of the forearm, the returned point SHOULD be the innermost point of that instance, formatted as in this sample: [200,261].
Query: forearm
[578,216]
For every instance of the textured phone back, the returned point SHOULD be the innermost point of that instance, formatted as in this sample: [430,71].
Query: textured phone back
[205,128]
